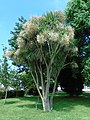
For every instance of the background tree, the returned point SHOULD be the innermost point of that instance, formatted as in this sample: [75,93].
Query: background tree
[18,27]
[4,73]
[78,16]
[16,80]
[28,84]
[13,43]
[43,46]
[70,78]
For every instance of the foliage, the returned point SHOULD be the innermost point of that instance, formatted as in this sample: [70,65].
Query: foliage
[78,16]
[4,77]
[16,80]
[78,12]
[26,80]
[42,43]
[28,84]
[86,71]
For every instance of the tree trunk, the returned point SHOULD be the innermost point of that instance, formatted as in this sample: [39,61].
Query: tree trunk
[52,95]
[46,104]
[5,96]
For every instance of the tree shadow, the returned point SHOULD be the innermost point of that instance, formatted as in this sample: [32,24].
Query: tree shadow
[35,102]
[39,106]
[66,103]
[62,102]
[26,106]
[29,98]
[11,102]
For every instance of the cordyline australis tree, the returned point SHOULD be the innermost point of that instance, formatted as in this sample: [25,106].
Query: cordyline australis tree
[43,45]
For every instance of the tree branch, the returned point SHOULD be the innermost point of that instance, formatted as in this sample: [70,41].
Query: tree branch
[36,85]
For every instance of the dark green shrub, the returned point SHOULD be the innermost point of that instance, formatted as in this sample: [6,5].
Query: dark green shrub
[20,93]
[32,91]
[2,94]
[70,84]
[12,93]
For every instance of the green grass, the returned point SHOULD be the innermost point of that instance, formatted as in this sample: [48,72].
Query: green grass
[65,108]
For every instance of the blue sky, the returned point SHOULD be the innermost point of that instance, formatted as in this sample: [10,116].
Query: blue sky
[10,10]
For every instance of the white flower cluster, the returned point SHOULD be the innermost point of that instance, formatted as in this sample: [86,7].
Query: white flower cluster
[30,29]
[12,54]
[60,15]
[41,38]
[48,36]
[17,52]
[60,26]
[9,53]
[28,32]
[68,35]
[32,23]
[70,32]
[36,19]
[65,40]
[20,42]
[53,36]
[75,49]
[27,25]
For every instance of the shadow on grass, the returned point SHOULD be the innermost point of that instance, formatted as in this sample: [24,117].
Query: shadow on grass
[29,98]
[35,102]
[11,102]
[38,106]
[66,103]
[62,102]
[27,105]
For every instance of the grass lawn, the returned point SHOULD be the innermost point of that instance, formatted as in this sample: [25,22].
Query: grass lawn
[65,108]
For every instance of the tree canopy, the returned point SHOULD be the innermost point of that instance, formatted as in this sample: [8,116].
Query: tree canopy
[78,16]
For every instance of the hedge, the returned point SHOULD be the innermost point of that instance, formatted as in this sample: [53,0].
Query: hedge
[12,93]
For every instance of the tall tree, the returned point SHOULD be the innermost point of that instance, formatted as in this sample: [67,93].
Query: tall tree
[43,46]
[78,16]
